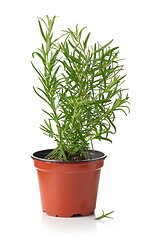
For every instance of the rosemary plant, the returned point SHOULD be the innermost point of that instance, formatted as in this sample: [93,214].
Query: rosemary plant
[81,85]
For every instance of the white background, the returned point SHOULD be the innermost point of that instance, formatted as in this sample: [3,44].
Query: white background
[124,178]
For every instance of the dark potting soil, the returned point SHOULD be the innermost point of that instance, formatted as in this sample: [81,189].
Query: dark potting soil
[83,156]
[74,157]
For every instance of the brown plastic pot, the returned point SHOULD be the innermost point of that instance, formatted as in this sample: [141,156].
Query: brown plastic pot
[68,188]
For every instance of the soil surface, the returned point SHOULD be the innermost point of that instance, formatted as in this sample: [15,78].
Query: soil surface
[74,157]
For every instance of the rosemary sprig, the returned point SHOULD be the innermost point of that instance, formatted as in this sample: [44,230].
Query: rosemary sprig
[104,215]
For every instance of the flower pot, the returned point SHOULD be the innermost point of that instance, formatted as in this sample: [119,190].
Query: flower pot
[68,188]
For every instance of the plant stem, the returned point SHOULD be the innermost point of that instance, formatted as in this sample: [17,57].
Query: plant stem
[57,124]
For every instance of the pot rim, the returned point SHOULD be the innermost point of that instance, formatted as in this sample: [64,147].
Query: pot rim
[103,156]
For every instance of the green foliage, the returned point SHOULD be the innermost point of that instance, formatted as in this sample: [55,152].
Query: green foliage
[82,86]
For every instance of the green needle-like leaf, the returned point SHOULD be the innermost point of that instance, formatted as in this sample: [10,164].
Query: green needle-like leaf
[39,55]
[86,40]
[41,30]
